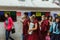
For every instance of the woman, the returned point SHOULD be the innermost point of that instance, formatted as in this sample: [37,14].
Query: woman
[8,24]
[55,29]
[34,35]
[50,20]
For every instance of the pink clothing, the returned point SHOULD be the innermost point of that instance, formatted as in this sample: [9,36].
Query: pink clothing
[47,37]
[10,24]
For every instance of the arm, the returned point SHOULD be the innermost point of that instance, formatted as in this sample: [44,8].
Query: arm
[34,27]
[51,29]
[5,25]
[10,23]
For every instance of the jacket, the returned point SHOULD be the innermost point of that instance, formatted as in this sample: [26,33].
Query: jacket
[10,24]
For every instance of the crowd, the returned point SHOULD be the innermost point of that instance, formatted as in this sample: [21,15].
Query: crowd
[45,29]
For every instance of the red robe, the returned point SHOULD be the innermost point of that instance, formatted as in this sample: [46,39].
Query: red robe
[44,28]
[25,29]
[34,35]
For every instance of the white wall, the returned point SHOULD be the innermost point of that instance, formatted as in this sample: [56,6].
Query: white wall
[18,29]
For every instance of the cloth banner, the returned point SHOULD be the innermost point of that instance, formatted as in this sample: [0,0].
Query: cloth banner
[38,14]
[1,12]
[29,14]
[18,13]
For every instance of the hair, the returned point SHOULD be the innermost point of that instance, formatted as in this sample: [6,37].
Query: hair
[46,17]
[59,26]
[8,14]
[56,18]
[51,18]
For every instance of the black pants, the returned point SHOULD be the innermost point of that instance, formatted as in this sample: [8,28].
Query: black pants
[8,35]
[55,37]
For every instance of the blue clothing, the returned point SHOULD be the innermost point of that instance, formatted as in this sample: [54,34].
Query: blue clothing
[8,35]
[52,28]
[55,37]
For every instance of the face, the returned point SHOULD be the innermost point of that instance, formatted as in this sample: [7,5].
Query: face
[49,18]
[31,19]
[6,15]
[57,20]
[45,17]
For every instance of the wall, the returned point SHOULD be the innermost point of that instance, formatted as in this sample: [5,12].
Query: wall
[18,28]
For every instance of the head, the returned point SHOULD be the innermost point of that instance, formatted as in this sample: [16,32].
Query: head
[24,17]
[45,17]
[57,19]
[34,15]
[50,18]
[31,18]
[7,15]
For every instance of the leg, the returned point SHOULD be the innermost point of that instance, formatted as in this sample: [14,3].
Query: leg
[24,37]
[58,37]
[6,35]
[53,37]
[10,36]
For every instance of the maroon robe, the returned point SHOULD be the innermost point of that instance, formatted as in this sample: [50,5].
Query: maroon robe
[44,28]
[25,29]
[34,35]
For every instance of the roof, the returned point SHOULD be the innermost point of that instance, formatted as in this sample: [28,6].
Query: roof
[28,3]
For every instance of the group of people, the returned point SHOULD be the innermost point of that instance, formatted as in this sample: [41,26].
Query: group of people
[34,29]
[38,30]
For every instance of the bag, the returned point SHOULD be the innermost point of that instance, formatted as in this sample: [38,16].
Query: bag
[13,29]
[47,37]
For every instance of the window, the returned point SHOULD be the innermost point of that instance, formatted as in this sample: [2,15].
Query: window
[21,0]
[45,0]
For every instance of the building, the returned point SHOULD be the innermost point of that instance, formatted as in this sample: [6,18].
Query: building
[25,6]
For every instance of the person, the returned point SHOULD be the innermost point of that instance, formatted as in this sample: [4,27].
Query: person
[55,30]
[40,34]
[42,17]
[34,35]
[44,27]
[25,21]
[8,24]
[50,20]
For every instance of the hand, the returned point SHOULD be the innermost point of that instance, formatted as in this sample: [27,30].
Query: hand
[29,30]
[40,28]
[6,28]
[48,34]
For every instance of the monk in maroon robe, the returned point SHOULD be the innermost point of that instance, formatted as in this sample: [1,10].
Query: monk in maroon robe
[25,27]
[44,28]
[34,35]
